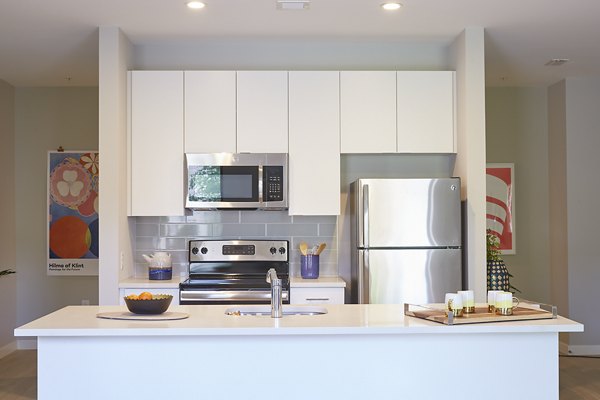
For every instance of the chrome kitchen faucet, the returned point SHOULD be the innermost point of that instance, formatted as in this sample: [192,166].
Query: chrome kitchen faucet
[276,307]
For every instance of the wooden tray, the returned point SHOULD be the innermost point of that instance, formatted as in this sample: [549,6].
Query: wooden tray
[481,315]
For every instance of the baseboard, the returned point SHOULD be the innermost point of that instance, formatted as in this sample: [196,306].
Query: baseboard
[580,350]
[27,344]
[8,348]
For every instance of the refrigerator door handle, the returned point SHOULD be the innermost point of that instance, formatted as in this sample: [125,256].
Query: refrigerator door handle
[366,215]
[363,278]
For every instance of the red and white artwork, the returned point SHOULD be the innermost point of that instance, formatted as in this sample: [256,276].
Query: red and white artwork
[500,205]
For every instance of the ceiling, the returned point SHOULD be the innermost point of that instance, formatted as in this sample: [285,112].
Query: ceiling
[55,43]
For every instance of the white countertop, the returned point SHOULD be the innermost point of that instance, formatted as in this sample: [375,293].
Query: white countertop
[349,319]
[322,281]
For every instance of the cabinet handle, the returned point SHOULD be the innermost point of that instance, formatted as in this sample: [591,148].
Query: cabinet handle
[318,299]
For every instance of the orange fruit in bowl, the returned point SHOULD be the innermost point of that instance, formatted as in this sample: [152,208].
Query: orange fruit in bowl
[145,296]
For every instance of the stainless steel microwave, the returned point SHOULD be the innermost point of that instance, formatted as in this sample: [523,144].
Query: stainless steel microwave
[237,181]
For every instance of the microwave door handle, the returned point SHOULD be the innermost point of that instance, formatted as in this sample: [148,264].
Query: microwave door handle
[260,184]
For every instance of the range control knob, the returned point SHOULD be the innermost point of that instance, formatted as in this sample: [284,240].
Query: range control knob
[195,250]
[282,250]
[204,250]
[273,250]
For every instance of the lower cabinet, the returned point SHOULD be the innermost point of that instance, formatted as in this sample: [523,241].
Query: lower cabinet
[317,295]
[127,291]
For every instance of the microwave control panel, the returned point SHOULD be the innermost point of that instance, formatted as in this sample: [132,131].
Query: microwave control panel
[273,183]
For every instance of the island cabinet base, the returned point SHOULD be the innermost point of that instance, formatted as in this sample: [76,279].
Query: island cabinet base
[330,366]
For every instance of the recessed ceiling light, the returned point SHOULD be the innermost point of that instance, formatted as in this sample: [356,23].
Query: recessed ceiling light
[195,5]
[391,6]
[557,61]
[293,4]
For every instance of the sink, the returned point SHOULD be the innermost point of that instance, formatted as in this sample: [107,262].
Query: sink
[259,310]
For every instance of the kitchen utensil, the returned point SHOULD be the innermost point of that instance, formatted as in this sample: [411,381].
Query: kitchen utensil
[320,248]
[303,248]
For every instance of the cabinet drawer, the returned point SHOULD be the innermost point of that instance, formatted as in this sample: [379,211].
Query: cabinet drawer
[317,295]
[127,291]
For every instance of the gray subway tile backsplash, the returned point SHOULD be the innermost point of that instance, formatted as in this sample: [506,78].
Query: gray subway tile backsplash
[146,230]
[292,230]
[173,233]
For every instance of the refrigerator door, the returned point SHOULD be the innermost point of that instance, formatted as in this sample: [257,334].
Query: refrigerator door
[416,276]
[407,212]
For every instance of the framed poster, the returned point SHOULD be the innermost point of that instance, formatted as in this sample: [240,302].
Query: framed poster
[72,213]
[500,204]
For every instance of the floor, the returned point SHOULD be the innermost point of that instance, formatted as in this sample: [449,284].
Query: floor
[18,375]
[579,377]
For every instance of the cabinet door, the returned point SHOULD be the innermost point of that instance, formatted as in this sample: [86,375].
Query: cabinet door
[156,145]
[314,160]
[262,112]
[426,112]
[368,111]
[317,295]
[210,113]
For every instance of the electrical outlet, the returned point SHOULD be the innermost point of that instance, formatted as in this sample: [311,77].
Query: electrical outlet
[85,302]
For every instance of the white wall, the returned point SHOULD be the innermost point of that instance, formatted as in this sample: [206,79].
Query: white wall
[467,52]
[517,132]
[557,196]
[46,118]
[116,231]
[583,218]
[8,284]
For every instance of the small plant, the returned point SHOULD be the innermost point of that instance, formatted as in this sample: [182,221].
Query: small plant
[7,272]
[493,254]
[493,246]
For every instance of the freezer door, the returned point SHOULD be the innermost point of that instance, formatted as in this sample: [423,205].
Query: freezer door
[408,276]
[407,212]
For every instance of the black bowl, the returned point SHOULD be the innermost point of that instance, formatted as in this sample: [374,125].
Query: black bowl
[158,305]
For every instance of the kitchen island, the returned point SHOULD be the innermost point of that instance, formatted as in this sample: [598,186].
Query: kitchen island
[352,352]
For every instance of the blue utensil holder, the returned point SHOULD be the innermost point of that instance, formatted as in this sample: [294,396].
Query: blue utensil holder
[160,274]
[309,266]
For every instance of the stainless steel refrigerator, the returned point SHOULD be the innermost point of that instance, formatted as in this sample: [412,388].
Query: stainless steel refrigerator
[406,240]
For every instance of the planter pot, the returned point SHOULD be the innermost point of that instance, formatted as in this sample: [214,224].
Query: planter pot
[497,276]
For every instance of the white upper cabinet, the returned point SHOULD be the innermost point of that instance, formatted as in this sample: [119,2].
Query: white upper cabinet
[368,111]
[156,143]
[210,111]
[262,112]
[426,112]
[314,156]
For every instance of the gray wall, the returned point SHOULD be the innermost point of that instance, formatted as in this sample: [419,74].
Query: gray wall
[173,233]
[289,54]
[583,218]
[8,284]
[516,125]
[46,118]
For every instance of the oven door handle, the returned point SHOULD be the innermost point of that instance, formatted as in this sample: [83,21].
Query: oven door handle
[221,295]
